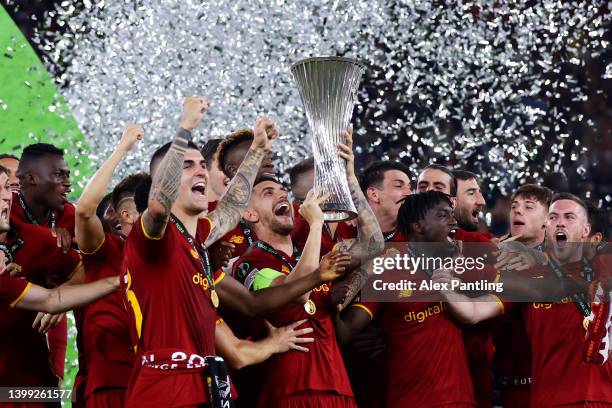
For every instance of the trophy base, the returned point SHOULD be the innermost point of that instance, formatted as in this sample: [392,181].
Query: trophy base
[334,213]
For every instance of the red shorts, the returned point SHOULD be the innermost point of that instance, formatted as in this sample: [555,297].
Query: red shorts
[106,397]
[315,399]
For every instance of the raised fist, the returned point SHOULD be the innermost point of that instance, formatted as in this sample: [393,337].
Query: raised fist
[131,135]
[265,132]
[193,111]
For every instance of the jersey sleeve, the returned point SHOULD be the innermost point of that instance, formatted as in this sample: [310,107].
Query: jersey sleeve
[12,290]
[149,248]
[369,307]
[244,271]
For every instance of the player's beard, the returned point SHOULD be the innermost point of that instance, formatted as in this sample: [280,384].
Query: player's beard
[280,227]
[465,220]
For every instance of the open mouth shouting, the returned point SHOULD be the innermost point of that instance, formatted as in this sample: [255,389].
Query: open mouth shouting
[561,238]
[282,209]
[199,189]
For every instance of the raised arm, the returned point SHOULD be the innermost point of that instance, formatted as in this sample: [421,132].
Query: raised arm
[166,180]
[370,240]
[241,353]
[89,233]
[234,201]
[237,297]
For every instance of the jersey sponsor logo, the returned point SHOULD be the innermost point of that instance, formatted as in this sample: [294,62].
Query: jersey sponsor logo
[242,270]
[548,306]
[420,317]
[285,269]
[201,280]
[236,239]
[405,293]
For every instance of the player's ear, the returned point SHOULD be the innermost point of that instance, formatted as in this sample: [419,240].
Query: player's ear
[416,227]
[372,194]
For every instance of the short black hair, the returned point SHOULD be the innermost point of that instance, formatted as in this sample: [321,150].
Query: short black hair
[209,150]
[374,174]
[229,142]
[464,175]
[598,218]
[571,197]
[159,154]
[126,188]
[8,156]
[35,152]
[299,169]
[415,208]
[444,169]
[141,195]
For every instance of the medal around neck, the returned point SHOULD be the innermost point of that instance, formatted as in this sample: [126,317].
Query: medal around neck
[328,88]
[310,307]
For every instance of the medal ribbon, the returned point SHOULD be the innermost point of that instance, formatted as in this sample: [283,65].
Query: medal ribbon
[202,255]
[246,230]
[9,250]
[581,303]
[30,216]
[267,248]
[390,235]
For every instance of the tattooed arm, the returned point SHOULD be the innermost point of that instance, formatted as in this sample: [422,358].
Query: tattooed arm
[370,240]
[234,202]
[166,180]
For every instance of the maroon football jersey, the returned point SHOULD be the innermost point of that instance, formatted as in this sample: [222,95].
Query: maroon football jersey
[107,345]
[24,355]
[63,219]
[12,290]
[170,298]
[427,364]
[322,368]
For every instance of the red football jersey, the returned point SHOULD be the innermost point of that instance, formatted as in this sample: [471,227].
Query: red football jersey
[556,335]
[63,219]
[12,290]
[107,346]
[322,368]
[427,365]
[170,298]
[24,355]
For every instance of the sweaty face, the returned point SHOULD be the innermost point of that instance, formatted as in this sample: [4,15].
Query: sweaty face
[433,179]
[438,223]
[52,181]
[470,203]
[269,203]
[192,198]
[217,180]
[237,155]
[5,202]
[11,165]
[567,227]
[394,187]
[528,219]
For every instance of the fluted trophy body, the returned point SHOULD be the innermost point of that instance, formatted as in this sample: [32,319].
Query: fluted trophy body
[328,88]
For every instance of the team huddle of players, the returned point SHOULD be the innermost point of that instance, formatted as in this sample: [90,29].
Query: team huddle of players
[205,256]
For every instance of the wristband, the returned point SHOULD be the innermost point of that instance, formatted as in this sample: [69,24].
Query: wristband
[184,133]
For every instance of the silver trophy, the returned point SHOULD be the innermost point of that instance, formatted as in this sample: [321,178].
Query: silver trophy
[328,88]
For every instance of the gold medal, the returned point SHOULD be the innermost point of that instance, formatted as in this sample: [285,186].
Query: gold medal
[310,307]
[585,324]
[214,298]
